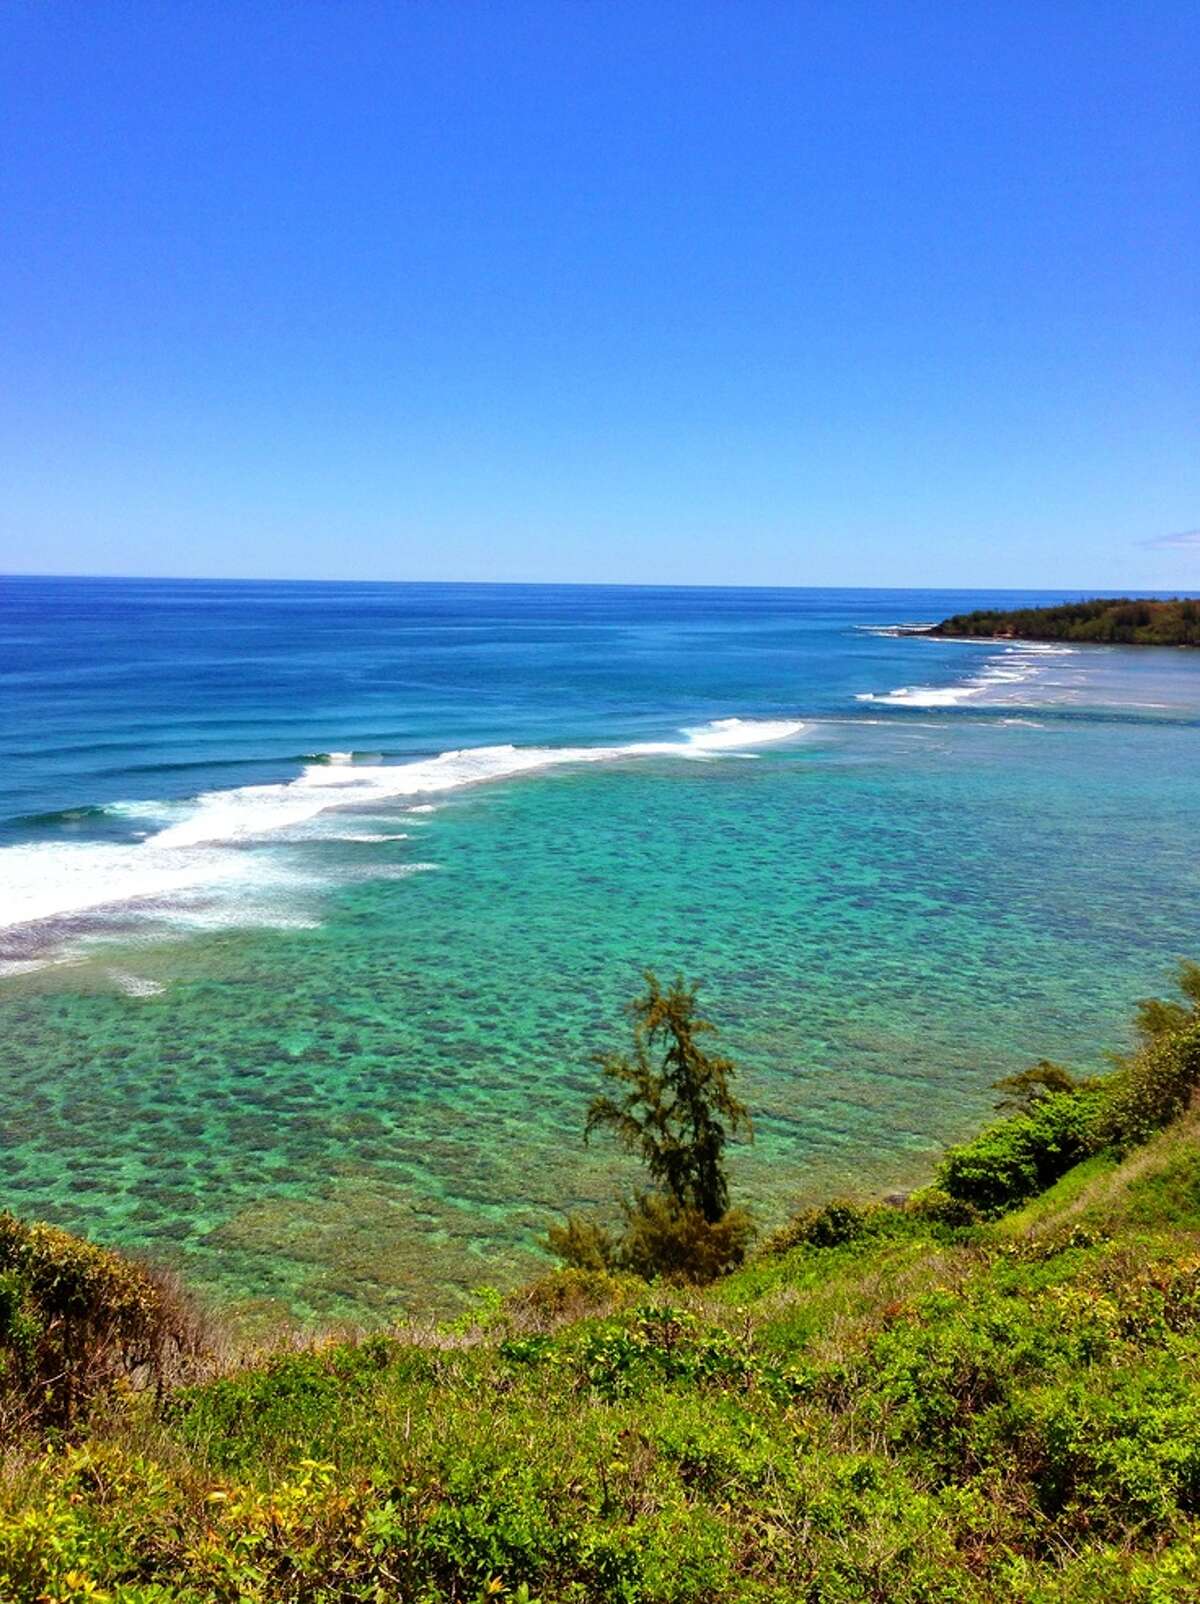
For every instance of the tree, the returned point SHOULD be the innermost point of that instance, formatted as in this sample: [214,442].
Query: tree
[1156,1017]
[1042,1079]
[674,1106]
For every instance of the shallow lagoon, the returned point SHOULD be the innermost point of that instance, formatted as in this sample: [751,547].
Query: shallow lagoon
[360,1081]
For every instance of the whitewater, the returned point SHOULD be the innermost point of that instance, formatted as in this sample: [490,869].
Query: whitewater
[1008,668]
[189,866]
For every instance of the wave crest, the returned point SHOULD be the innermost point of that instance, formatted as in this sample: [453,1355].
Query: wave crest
[196,857]
[1011,666]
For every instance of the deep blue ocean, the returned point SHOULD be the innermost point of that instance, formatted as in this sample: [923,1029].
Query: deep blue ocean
[315,898]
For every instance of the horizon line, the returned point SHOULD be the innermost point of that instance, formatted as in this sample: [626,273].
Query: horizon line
[595,584]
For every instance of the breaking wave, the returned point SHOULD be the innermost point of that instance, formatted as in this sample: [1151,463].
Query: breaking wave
[1002,671]
[191,863]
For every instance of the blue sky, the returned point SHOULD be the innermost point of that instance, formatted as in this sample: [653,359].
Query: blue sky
[832,293]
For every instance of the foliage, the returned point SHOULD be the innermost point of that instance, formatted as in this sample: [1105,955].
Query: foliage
[1022,1090]
[1022,1155]
[1060,1119]
[1152,1089]
[935,1206]
[890,1419]
[1159,1081]
[571,1293]
[676,1111]
[833,1224]
[663,1238]
[674,1106]
[583,1244]
[660,1238]
[1125,621]
[76,1321]
[1157,1017]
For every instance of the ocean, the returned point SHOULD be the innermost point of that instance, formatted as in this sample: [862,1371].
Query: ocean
[315,900]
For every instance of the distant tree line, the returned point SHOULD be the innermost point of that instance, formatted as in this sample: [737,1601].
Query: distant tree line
[1124,622]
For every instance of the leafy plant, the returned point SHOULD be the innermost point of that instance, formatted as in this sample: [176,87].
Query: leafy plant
[1124,620]
[675,1108]
[1151,1089]
[1042,1079]
[661,1237]
[832,1225]
[1020,1156]
[676,1111]
[77,1320]
[894,1411]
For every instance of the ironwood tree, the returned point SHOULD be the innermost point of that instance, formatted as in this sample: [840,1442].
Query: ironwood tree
[671,1101]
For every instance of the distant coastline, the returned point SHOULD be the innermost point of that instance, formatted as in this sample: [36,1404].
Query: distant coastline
[1126,621]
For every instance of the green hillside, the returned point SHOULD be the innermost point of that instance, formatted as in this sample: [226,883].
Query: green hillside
[1124,622]
[991,1392]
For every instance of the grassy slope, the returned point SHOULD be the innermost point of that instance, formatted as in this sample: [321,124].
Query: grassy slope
[1156,1190]
[1009,1415]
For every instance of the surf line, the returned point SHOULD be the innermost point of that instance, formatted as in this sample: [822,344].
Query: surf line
[198,846]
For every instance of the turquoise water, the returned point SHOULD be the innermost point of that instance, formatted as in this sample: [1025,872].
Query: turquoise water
[317,1032]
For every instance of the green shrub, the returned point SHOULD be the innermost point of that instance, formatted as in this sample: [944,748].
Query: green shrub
[1021,1156]
[1105,1463]
[288,1399]
[893,1414]
[583,1244]
[661,1238]
[1157,1016]
[1040,1080]
[1151,1090]
[934,1205]
[1060,1120]
[829,1226]
[77,1320]
[569,1294]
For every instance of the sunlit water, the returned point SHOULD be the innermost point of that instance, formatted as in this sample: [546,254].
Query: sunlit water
[314,900]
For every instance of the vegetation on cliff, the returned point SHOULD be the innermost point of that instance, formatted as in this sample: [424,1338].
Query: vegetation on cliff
[989,1393]
[1124,622]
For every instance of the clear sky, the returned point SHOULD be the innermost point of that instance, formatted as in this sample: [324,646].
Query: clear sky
[739,292]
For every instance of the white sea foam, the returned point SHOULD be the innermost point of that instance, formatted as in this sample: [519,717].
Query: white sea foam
[368,837]
[731,734]
[136,985]
[893,631]
[55,879]
[254,811]
[1010,666]
[195,867]
[60,881]
[921,695]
